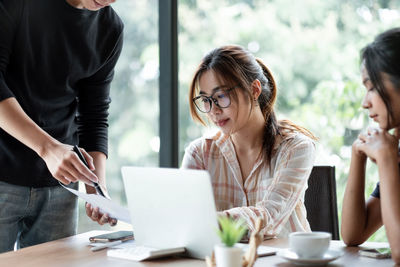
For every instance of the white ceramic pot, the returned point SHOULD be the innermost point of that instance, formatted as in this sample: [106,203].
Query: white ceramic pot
[228,256]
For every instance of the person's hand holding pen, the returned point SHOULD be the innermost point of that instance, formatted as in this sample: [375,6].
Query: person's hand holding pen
[93,212]
[65,166]
[78,152]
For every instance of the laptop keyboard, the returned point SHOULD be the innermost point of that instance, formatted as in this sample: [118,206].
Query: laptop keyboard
[136,253]
[139,253]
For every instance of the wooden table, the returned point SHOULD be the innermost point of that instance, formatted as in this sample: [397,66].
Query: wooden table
[74,251]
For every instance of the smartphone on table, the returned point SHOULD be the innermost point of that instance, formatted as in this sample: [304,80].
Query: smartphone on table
[378,253]
[110,237]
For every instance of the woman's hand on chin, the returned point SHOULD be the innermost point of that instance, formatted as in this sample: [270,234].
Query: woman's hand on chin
[377,144]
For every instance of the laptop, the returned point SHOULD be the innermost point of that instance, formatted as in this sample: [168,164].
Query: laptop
[172,208]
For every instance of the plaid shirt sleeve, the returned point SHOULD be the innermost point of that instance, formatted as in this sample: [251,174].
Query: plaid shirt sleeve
[193,158]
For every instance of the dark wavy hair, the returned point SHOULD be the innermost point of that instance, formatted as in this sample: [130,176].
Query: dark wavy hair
[383,56]
[236,67]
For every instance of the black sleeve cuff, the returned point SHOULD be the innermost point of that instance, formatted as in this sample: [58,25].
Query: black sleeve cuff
[376,193]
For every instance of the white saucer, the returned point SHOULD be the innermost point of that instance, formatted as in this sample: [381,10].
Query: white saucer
[291,256]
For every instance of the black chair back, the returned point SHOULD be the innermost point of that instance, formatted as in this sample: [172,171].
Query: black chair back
[320,201]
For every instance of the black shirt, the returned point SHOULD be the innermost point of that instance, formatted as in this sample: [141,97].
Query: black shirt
[376,193]
[58,62]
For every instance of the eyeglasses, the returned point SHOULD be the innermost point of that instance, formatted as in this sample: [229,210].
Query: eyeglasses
[220,98]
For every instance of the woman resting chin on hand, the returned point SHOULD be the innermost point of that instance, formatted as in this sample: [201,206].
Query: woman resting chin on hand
[381,78]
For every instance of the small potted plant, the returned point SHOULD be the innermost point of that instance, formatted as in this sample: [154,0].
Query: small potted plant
[231,231]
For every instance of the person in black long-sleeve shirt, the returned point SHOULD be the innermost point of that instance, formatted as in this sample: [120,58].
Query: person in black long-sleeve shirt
[57,60]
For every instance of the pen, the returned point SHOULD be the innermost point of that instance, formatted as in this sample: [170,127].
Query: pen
[106,245]
[82,158]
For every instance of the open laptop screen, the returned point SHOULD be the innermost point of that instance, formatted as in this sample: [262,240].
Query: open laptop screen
[172,208]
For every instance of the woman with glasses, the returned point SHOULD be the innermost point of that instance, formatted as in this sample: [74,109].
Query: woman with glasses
[259,166]
[380,70]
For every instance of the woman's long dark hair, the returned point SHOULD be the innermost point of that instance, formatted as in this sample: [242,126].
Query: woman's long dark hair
[383,56]
[235,66]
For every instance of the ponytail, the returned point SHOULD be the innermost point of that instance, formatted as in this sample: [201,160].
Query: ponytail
[273,127]
[270,81]
[266,100]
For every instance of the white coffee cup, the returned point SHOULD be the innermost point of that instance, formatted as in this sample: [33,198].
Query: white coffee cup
[309,245]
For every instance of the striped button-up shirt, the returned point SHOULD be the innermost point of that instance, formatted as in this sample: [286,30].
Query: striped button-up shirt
[273,191]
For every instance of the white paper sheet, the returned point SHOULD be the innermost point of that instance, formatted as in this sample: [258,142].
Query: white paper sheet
[105,205]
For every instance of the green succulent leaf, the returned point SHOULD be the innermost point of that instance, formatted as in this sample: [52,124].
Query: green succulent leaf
[231,231]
